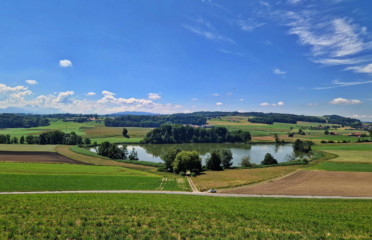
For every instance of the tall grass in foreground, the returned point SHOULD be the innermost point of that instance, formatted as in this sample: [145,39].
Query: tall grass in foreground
[139,216]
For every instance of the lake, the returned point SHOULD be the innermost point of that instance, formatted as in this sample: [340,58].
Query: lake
[256,152]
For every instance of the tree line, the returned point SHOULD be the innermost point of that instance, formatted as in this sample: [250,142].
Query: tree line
[114,151]
[22,121]
[152,121]
[51,137]
[168,133]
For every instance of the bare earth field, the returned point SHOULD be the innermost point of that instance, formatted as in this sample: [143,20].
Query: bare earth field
[40,157]
[317,183]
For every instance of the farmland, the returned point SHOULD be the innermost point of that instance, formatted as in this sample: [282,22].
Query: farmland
[47,177]
[138,216]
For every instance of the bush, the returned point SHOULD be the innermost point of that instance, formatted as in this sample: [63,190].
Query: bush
[182,174]
[245,162]
[193,174]
[269,160]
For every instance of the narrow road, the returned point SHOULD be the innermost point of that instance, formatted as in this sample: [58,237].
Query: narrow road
[188,193]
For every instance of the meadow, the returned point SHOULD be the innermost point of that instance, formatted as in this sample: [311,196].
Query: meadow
[142,216]
[343,166]
[58,177]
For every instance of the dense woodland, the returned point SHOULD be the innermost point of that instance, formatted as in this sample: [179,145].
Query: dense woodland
[153,121]
[168,133]
[22,121]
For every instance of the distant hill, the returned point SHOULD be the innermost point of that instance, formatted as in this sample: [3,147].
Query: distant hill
[133,113]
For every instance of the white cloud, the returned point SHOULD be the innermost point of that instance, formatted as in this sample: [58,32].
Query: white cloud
[264,104]
[344,101]
[279,72]
[65,63]
[31,82]
[91,93]
[229,93]
[294,1]
[194,99]
[154,96]
[20,96]
[219,103]
[241,99]
[361,69]
[280,103]
[215,94]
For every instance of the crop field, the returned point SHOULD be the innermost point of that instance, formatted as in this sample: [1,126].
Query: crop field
[343,166]
[142,216]
[315,183]
[27,148]
[57,177]
[238,177]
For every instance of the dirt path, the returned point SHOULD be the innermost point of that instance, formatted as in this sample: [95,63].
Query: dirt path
[187,193]
[317,183]
[193,188]
[40,157]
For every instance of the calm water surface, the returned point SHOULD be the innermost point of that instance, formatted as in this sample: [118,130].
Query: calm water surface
[152,152]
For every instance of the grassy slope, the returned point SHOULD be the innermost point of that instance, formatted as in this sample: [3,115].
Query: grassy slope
[138,216]
[43,177]
[337,166]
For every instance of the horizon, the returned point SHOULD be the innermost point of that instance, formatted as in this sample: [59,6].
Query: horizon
[292,56]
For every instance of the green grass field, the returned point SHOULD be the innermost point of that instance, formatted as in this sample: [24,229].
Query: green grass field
[140,216]
[338,166]
[345,147]
[54,177]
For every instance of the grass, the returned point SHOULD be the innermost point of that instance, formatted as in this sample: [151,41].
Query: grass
[337,166]
[345,147]
[28,147]
[58,177]
[352,156]
[140,216]
[239,177]
[116,140]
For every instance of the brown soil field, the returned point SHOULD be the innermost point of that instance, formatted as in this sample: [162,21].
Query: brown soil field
[40,157]
[315,183]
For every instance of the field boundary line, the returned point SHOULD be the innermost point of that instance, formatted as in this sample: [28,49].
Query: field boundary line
[186,193]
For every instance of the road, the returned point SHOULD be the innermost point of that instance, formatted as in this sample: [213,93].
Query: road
[188,193]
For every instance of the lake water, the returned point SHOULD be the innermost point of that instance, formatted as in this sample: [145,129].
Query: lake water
[256,153]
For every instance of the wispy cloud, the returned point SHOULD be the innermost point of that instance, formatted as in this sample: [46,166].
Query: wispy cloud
[249,24]
[337,84]
[361,69]
[91,93]
[154,96]
[219,103]
[215,94]
[208,34]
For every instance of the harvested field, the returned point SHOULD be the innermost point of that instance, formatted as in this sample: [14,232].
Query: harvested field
[40,157]
[320,183]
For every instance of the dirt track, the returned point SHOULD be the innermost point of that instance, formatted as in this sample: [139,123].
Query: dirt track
[41,157]
[316,183]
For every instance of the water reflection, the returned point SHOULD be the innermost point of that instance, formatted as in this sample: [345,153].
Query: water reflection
[256,153]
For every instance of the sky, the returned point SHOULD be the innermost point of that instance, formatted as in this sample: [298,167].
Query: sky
[311,57]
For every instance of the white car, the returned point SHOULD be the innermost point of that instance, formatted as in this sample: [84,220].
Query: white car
[212,191]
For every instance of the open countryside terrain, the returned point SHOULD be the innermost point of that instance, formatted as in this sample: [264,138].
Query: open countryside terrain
[140,216]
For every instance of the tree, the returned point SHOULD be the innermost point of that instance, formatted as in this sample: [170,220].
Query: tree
[169,157]
[125,133]
[30,139]
[187,160]
[226,158]
[269,160]
[214,161]
[246,162]
[133,155]
[22,140]
[370,132]
[14,140]
[87,141]
[302,146]
[326,132]
[276,137]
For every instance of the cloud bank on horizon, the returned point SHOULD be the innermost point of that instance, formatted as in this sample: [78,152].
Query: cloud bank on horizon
[293,56]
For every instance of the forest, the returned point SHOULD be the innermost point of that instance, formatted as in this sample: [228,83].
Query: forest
[168,133]
[153,121]
[8,120]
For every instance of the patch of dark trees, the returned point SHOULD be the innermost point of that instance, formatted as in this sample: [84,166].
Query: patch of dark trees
[168,133]
[114,151]
[22,121]
[153,121]
[51,137]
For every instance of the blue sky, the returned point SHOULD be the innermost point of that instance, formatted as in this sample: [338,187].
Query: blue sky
[309,57]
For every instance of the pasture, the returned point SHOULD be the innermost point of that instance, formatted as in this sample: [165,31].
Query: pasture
[56,177]
[152,216]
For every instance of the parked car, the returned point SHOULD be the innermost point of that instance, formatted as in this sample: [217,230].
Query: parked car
[212,191]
